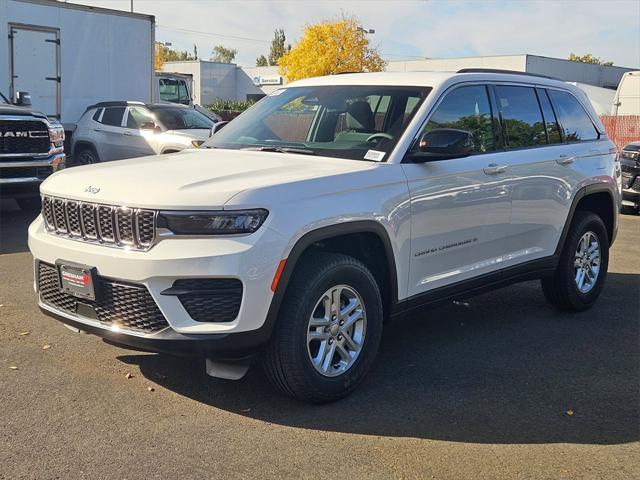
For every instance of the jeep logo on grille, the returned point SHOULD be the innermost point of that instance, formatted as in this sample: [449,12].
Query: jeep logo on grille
[26,134]
[92,190]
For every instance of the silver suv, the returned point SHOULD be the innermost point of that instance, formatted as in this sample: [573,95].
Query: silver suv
[118,130]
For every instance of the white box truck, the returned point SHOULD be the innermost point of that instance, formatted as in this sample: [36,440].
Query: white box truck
[69,56]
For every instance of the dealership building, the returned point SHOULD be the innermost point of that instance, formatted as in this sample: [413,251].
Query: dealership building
[213,80]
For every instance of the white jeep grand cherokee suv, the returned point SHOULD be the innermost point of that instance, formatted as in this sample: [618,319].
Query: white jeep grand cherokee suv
[328,208]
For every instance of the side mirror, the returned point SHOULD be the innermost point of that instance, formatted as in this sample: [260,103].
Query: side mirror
[23,99]
[443,144]
[217,127]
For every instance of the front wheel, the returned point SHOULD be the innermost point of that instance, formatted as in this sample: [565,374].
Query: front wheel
[582,267]
[328,331]
[84,156]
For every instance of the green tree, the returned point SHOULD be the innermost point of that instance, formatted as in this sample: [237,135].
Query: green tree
[588,58]
[278,47]
[261,61]
[165,54]
[222,54]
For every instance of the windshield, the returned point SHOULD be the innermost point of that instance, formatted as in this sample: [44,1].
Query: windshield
[176,118]
[354,122]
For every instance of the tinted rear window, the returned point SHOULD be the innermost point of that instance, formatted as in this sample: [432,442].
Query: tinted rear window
[553,131]
[574,121]
[521,116]
[113,116]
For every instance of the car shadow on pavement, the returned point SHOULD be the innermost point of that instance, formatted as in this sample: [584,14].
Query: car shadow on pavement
[504,368]
[14,224]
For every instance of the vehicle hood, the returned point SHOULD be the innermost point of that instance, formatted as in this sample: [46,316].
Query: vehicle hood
[6,109]
[191,134]
[192,179]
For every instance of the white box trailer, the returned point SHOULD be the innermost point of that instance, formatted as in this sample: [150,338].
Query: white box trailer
[70,56]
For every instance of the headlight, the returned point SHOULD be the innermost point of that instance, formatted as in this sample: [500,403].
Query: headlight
[213,223]
[197,143]
[56,134]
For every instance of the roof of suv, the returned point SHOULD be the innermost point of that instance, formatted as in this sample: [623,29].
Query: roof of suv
[427,79]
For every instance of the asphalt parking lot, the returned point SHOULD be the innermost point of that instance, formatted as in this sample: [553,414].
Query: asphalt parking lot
[504,387]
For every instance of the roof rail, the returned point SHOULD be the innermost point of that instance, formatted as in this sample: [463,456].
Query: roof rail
[114,104]
[510,72]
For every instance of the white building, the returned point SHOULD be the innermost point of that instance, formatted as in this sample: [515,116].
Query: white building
[229,81]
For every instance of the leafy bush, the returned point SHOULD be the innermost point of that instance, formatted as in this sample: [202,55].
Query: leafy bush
[224,105]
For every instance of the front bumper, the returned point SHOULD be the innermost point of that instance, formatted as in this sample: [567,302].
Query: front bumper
[21,178]
[252,259]
[630,198]
[220,346]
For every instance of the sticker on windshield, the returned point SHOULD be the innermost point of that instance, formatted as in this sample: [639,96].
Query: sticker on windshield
[277,92]
[374,155]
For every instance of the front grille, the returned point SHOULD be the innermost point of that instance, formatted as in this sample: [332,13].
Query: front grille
[106,224]
[210,299]
[123,305]
[636,183]
[23,137]
[25,172]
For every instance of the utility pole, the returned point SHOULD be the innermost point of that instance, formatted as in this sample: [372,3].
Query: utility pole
[131,6]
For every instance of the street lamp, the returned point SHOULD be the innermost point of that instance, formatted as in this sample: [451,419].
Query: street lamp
[365,31]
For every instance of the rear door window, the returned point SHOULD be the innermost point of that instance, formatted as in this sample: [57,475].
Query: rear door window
[113,116]
[521,116]
[575,123]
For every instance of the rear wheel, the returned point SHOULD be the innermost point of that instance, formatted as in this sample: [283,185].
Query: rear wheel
[328,331]
[582,267]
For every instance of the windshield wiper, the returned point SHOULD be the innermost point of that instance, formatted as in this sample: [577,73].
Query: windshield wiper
[274,148]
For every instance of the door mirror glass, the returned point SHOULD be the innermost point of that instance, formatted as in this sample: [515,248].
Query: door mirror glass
[23,99]
[217,127]
[443,144]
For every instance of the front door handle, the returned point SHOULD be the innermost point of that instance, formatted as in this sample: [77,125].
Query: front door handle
[494,169]
[128,134]
[565,160]
[97,129]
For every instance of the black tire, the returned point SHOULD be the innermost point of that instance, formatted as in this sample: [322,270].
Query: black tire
[84,156]
[561,289]
[29,204]
[287,362]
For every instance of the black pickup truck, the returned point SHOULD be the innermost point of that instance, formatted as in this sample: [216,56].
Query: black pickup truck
[31,149]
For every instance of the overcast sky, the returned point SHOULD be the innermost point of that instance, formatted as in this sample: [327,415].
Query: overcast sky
[407,29]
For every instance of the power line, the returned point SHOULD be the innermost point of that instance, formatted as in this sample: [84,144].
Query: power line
[217,35]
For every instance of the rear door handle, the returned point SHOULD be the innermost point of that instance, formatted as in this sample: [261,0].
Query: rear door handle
[128,134]
[565,160]
[97,129]
[493,169]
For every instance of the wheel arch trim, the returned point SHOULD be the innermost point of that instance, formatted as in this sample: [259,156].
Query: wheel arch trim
[325,233]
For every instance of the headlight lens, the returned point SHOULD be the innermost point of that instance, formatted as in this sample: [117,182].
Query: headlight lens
[213,223]
[56,134]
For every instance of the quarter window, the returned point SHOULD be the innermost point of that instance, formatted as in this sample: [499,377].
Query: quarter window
[553,131]
[96,116]
[466,108]
[113,116]
[574,121]
[521,117]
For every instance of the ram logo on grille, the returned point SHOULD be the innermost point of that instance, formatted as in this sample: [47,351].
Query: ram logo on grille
[111,225]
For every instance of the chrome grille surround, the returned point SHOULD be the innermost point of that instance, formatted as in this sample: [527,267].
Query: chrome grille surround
[109,225]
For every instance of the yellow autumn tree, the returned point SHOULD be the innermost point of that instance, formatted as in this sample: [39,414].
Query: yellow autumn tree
[331,47]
